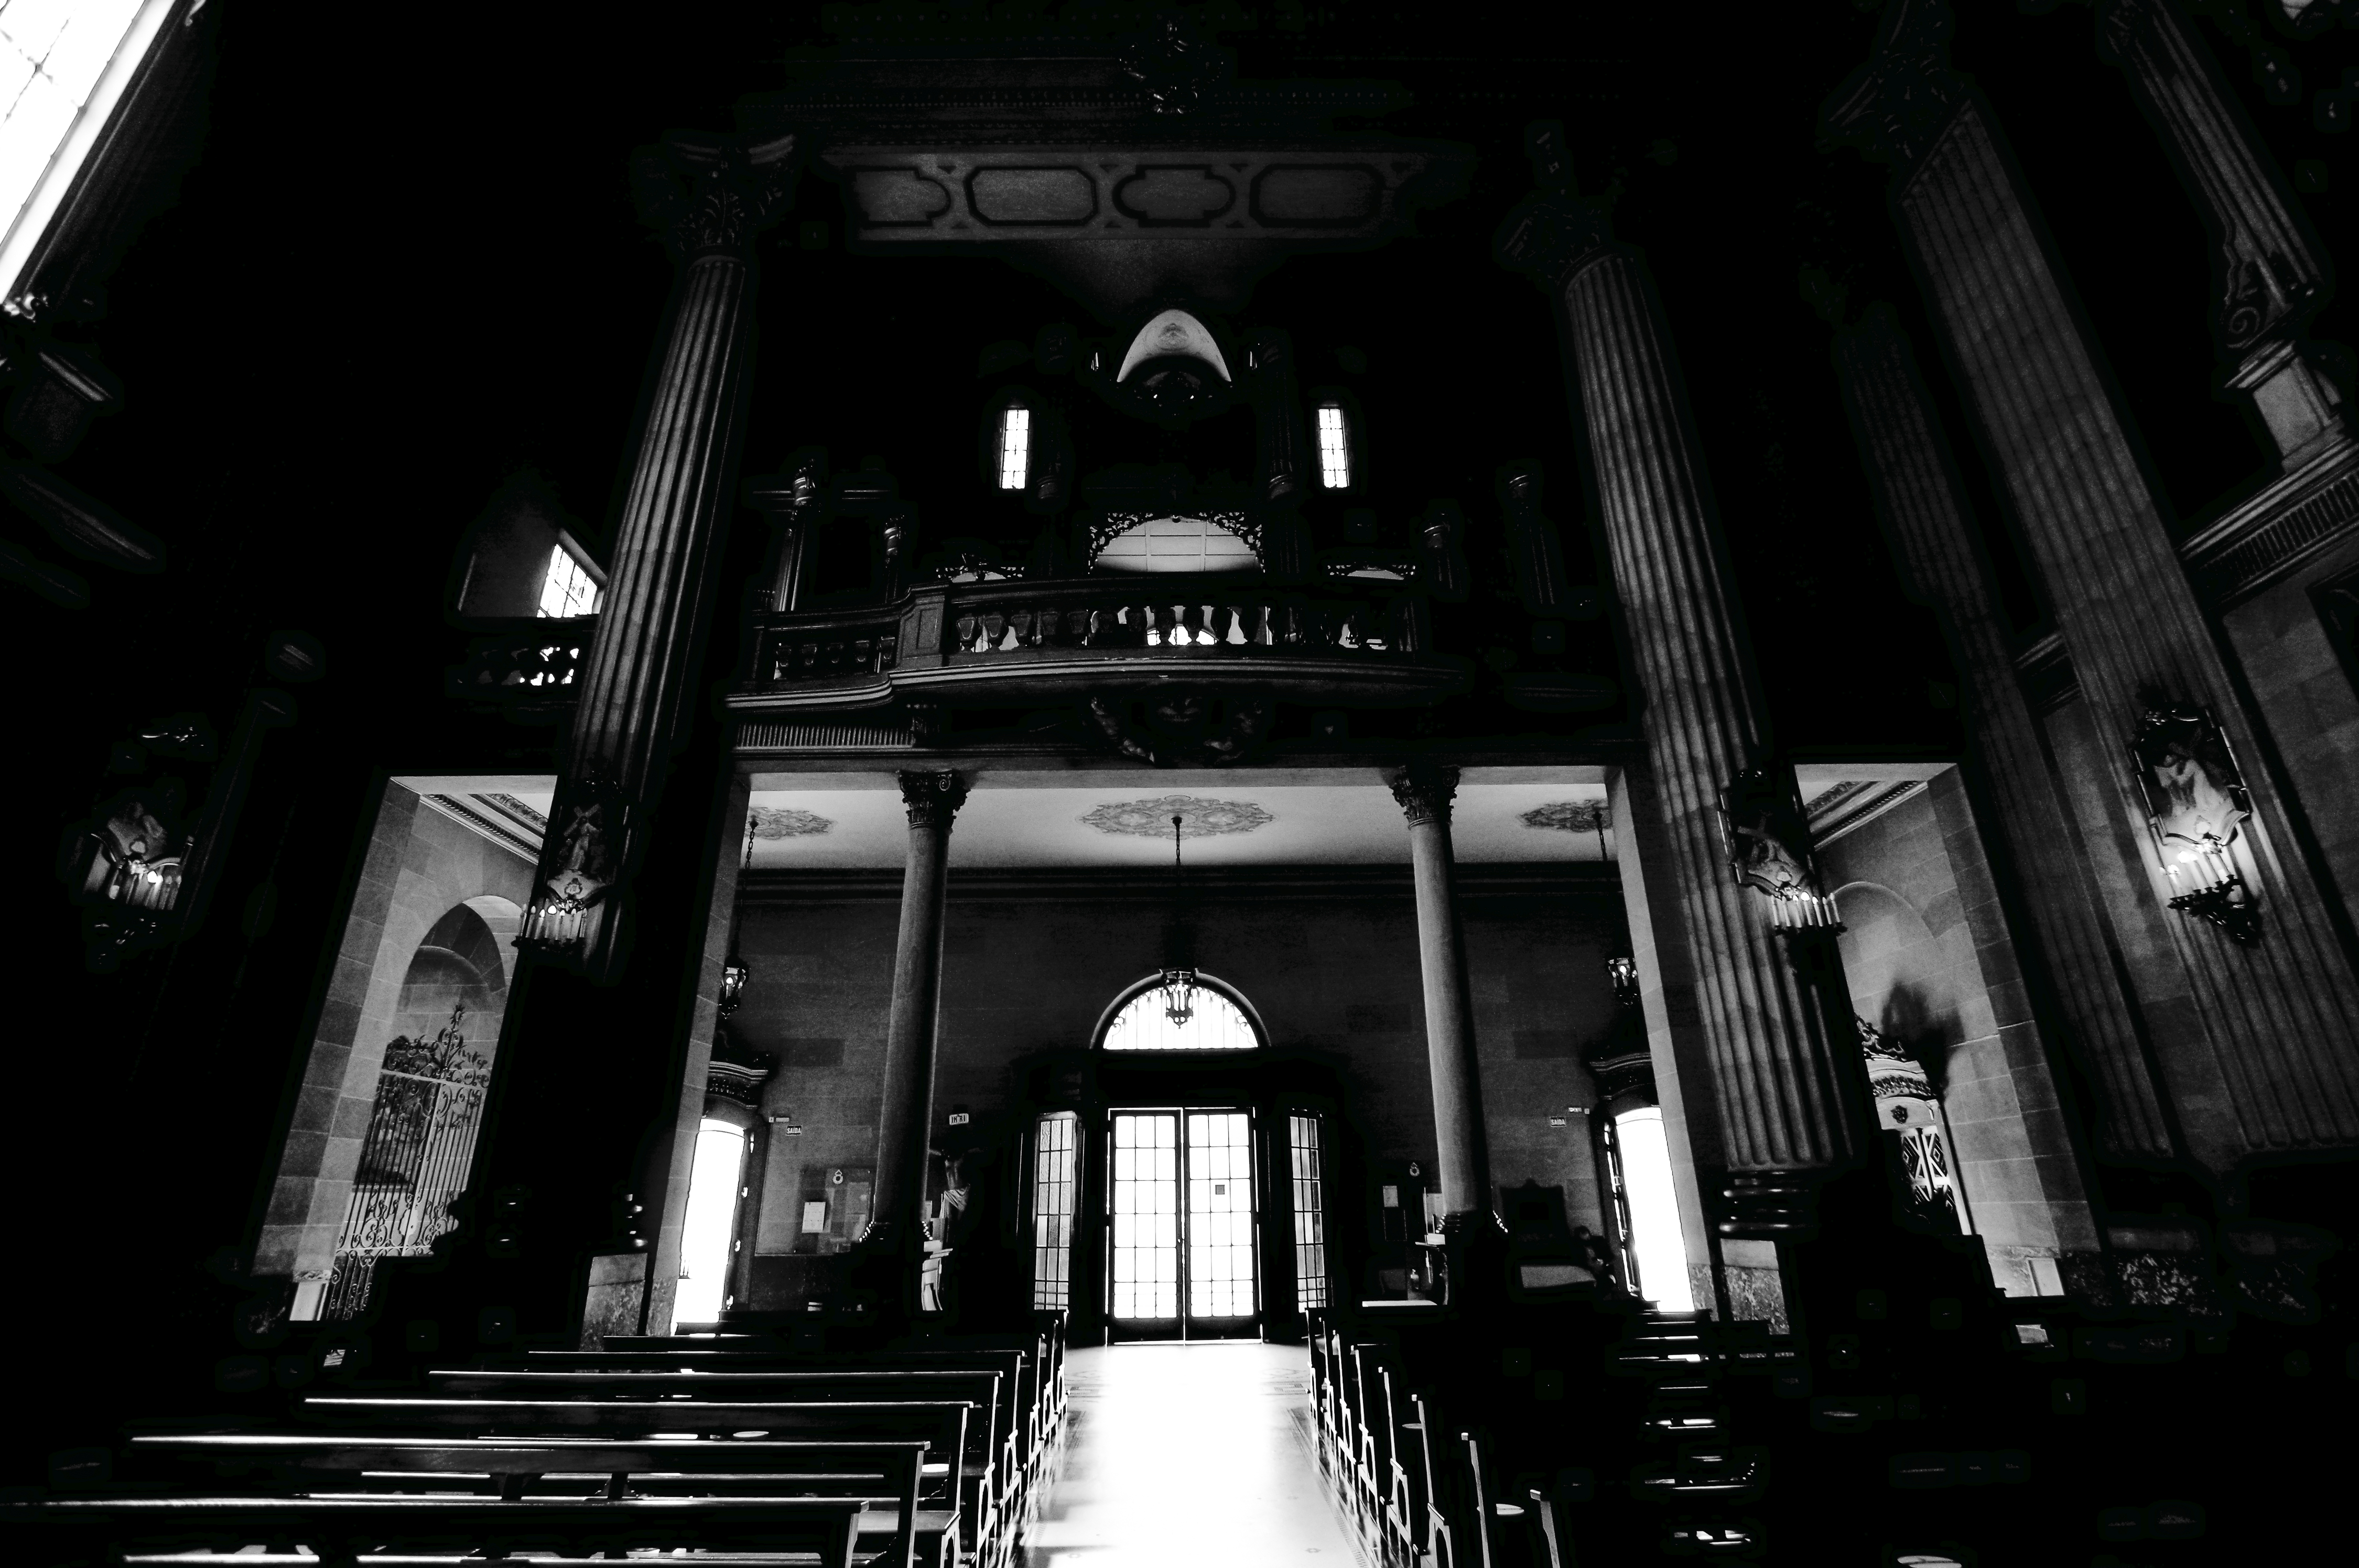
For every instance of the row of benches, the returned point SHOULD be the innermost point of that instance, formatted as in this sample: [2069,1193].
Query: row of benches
[928,1454]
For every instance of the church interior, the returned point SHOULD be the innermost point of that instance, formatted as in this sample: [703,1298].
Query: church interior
[1045,784]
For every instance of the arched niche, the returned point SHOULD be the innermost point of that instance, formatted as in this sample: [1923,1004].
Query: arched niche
[1902,979]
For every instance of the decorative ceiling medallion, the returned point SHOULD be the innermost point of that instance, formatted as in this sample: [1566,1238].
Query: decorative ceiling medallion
[785,822]
[1570,817]
[1198,818]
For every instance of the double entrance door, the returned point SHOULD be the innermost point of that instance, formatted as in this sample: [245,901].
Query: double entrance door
[1182,1225]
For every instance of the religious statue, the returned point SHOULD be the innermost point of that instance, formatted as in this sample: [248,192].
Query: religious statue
[2191,784]
[1769,843]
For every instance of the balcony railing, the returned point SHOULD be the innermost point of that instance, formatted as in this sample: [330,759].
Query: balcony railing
[524,661]
[1020,641]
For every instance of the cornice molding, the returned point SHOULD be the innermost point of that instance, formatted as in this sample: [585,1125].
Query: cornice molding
[762,888]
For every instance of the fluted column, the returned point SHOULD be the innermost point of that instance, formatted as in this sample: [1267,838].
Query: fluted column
[2269,278]
[904,1123]
[1911,474]
[1461,1147]
[2281,1015]
[711,199]
[1764,1037]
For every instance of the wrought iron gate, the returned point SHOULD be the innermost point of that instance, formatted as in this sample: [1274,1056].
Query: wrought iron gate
[420,1144]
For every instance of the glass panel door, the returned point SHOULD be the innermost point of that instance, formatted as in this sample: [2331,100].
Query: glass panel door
[1145,1222]
[1181,1269]
[1220,1215]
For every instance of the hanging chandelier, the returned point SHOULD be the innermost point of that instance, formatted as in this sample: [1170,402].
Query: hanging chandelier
[1178,982]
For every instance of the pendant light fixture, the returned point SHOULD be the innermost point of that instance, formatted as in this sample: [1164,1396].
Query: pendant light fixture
[1178,984]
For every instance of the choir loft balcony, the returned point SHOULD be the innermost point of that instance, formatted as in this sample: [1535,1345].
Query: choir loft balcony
[1013,641]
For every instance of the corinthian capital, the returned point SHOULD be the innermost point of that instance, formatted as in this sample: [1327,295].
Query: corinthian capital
[712,197]
[932,798]
[1895,106]
[1554,235]
[1424,791]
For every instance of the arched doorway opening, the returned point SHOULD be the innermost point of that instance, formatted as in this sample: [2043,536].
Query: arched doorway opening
[419,1150]
[1179,1175]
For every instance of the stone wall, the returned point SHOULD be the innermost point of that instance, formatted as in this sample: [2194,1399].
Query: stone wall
[420,866]
[1332,973]
[1930,961]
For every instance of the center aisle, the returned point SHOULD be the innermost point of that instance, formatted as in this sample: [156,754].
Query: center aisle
[1196,1454]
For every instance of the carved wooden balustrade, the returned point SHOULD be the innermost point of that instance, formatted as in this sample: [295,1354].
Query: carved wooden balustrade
[527,662]
[1022,641]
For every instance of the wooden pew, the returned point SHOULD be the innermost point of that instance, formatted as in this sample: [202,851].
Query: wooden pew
[816,1532]
[884,1474]
[984,1388]
[1027,1412]
[1041,1374]
[1017,1415]
[942,1424]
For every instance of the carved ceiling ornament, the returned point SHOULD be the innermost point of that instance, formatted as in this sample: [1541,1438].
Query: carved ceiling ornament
[1896,107]
[786,822]
[1198,817]
[1169,727]
[1570,817]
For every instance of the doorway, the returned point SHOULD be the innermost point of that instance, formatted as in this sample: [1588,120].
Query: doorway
[709,1246]
[1183,1224]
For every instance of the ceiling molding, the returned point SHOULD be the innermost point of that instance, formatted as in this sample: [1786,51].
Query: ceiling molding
[501,820]
[760,888]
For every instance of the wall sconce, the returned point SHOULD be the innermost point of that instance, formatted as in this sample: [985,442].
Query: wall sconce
[733,975]
[2195,803]
[1770,850]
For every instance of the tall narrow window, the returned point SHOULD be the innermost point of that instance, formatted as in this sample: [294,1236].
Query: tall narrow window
[1335,447]
[1645,1162]
[1015,446]
[1310,1215]
[567,590]
[1052,1211]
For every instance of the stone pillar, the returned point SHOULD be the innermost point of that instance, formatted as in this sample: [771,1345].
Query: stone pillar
[2282,1014]
[904,1123]
[1763,1035]
[2269,277]
[634,680]
[578,1135]
[1911,473]
[1461,1148]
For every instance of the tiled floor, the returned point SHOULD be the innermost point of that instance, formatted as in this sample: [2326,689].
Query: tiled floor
[1194,1453]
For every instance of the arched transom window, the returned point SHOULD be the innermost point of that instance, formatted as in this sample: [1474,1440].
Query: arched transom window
[1209,1020]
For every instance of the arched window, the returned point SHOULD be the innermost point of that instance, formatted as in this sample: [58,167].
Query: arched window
[1015,446]
[1180,1011]
[1335,447]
